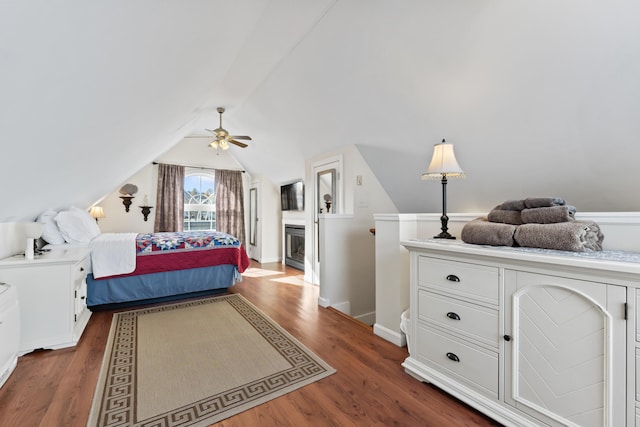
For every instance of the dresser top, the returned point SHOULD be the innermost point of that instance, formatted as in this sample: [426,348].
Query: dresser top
[54,256]
[610,260]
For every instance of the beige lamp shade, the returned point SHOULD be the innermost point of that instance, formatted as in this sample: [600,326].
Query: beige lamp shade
[96,212]
[33,230]
[443,162]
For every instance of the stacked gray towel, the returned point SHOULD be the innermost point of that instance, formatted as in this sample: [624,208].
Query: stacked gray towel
[538,210]
[537,222]
[548,214]
[505,216]
[481,231]
[576,236]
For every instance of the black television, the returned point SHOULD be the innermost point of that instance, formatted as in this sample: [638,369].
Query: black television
[292,196]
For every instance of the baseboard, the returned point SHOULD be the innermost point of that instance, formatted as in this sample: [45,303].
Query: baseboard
[323,302]
[367,318]
[352,319]
[397,338]
[344,306]
[269,260]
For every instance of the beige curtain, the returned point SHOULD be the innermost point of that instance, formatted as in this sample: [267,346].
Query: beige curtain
[230,203]
[170,198]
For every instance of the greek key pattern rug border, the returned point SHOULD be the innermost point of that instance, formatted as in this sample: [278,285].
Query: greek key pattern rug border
[117,399]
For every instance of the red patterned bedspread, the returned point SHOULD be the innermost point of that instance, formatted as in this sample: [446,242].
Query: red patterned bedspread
[159,252]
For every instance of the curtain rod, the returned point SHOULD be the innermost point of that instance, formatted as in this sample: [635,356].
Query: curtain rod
[198,167]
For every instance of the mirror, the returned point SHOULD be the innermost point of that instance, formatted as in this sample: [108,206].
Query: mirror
[253,215]
[327,202]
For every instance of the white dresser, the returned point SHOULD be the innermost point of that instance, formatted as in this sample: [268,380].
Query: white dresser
[9,330]
[52,295]
[529,337]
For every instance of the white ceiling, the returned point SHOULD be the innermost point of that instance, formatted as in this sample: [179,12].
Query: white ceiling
[540,98]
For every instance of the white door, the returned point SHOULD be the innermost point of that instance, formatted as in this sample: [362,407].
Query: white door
[565,353]
[254,223]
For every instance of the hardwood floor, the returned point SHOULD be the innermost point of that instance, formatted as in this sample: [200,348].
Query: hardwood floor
[55,388]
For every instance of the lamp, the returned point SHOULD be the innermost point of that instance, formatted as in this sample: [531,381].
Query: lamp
[443,165]
[32,231]
[220,142]
[96,212]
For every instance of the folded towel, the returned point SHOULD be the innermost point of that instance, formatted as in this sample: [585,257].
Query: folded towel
[576,236]
[504,216]
[482,232]
[542,202]
[548,215]
[512,205]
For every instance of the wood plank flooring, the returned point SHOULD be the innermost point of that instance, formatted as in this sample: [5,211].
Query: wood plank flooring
[55,387]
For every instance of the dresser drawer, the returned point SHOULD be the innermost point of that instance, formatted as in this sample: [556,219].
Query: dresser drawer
[457,278]
[474,366]
[79,271]
[474,321]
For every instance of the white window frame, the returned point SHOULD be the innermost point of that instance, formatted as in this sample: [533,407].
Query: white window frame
[198,207]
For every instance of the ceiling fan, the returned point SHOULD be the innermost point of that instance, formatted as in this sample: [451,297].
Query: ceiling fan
[222,137]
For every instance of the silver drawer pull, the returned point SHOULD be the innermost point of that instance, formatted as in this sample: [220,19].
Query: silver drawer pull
[453,278]
[453,357]
[452,315]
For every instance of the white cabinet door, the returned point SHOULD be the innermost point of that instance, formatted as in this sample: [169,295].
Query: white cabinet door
[562,337]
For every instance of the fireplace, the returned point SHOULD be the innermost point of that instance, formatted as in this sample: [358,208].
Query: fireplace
[294,246]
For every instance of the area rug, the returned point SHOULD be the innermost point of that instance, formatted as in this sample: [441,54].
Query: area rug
[195,363]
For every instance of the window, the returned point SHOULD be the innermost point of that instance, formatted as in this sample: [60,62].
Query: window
[199,201]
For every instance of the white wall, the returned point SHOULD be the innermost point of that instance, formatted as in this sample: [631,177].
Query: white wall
[540,98]
[268,221]
[347,247]
[116,219]
[189,152]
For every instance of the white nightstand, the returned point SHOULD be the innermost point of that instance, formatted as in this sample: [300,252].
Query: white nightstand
[52,292]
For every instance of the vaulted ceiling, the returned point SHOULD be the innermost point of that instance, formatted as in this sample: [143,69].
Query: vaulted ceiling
[539,98]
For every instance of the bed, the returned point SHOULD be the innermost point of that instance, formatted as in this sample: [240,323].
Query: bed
[131,268]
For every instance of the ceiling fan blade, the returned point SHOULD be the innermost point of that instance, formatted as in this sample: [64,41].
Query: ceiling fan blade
[239,144]
[241,137]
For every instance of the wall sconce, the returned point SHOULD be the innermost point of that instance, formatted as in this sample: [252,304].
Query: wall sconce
[96,212]
[146,210]
[443,164]
[126,201]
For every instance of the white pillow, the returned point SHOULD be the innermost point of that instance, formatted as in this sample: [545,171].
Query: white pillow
[51,234]
[77,226]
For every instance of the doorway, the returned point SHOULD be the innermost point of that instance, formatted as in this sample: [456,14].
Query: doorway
[327,199]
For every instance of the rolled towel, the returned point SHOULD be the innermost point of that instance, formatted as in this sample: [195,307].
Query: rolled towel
[543,202]
[512,205]
[576,236]
[482,232]
[504,216]
[548,215]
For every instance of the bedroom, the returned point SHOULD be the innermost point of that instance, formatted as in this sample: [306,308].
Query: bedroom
[538,97]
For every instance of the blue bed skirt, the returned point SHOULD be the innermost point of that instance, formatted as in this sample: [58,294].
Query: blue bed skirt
[159,285]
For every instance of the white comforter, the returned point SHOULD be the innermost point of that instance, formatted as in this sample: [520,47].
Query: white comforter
[112,254]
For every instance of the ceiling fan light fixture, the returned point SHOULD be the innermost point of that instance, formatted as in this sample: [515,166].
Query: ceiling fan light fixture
[222,137]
